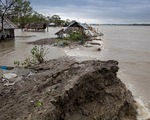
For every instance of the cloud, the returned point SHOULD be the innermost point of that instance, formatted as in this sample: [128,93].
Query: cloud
[98,11]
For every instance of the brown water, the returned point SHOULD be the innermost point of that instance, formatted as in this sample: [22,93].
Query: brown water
[130,46]
[14,50]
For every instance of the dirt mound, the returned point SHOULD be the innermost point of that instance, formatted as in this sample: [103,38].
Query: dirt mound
[67,90]
[46,41]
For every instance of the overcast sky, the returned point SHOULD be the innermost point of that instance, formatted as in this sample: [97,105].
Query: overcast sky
[96,11]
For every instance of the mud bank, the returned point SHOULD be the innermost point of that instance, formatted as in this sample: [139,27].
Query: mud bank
[45,41]
[95,42]
[64,89]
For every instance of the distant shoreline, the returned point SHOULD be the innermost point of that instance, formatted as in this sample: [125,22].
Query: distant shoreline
[120,24]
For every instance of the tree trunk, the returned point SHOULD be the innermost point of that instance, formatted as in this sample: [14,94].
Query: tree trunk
[2,22]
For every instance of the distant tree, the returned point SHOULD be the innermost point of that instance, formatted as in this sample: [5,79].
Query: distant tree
[67,22]
[37,17]
[6,6]
[22,12]
[56,19]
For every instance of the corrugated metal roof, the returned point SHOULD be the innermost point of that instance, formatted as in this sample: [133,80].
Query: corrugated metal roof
[8,24]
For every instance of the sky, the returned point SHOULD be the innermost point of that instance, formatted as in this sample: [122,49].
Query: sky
[96,11]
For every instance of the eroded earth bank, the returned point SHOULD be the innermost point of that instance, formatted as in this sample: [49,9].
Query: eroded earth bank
[64,89]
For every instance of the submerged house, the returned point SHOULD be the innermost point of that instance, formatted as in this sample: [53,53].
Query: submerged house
[52,25]
[8,29]
[76,26]
[35,27]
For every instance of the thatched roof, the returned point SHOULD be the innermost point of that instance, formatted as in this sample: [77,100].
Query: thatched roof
[36,26]
[7,24]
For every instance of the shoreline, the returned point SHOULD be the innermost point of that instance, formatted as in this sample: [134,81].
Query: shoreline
[45,41]
[92,42]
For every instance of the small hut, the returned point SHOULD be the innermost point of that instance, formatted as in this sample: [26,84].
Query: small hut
[52,25]
[35,27]
[8,29]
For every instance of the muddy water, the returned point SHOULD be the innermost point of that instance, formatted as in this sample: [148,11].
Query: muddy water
[14,50]
[130,46]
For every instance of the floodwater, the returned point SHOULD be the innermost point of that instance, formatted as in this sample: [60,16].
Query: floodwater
[130,45]
[18,50]
[127,44]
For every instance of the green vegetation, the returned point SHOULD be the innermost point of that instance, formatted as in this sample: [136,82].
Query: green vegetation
[26,63]
[38,53]
[38,104]
[71,37]
[21,12]
[6,7]
[16,10]
[75,36]
[37,56]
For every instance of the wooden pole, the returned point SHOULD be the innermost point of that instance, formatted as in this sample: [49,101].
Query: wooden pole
[47,29]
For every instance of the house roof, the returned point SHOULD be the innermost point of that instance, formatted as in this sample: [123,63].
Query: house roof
[36,26]
[7,24]
[60,31]
[77,24]
[52,24]
[73,24]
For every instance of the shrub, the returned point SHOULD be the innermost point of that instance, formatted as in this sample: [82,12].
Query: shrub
[37,57]
[75,36]
[38,53]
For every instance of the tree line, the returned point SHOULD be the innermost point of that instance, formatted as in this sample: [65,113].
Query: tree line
[21,12]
